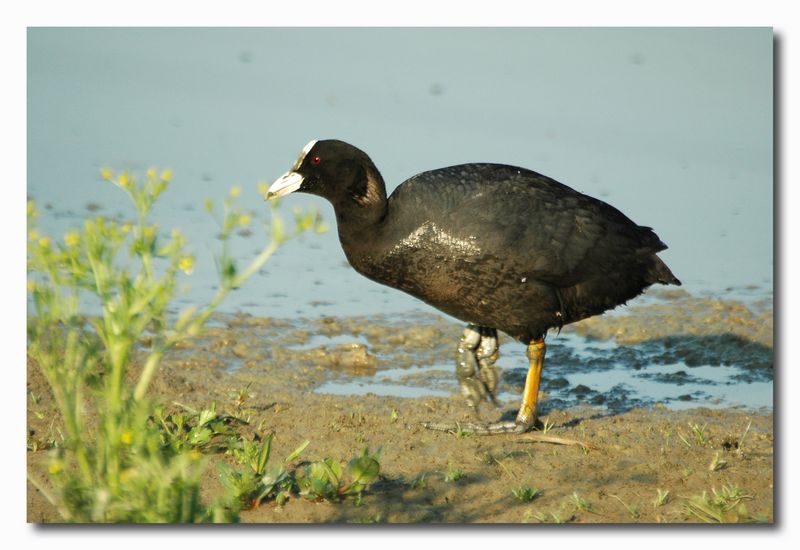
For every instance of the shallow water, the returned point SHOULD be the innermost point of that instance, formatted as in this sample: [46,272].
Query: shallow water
[586,371]
[682,143]
[683,352]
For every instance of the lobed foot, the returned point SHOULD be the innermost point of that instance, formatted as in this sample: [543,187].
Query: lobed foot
[479,380]
[477,376]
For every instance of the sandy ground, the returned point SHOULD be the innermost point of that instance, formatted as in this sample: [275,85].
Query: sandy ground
[629,454]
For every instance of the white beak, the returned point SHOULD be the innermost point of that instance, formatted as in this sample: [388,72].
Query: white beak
[284,185]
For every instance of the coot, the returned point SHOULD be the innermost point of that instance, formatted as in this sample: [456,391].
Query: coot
[497,246]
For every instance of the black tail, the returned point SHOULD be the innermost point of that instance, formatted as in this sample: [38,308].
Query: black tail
[660,273]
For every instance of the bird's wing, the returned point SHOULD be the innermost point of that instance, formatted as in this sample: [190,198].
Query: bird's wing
[557,234]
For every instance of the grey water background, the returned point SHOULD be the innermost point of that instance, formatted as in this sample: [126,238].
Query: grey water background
[671,126]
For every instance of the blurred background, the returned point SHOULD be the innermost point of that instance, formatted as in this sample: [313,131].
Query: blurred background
[671,126]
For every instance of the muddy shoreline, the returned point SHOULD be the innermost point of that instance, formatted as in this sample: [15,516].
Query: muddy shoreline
[636,445]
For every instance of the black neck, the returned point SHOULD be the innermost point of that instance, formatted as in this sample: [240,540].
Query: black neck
[360,213]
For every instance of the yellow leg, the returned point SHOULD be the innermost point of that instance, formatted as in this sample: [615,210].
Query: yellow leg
[535,353]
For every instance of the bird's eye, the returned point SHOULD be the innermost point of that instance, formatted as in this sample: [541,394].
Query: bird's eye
[316,160]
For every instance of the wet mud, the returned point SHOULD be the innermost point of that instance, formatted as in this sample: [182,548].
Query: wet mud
[673,394]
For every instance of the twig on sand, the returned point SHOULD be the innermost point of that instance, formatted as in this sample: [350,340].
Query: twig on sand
[541,438]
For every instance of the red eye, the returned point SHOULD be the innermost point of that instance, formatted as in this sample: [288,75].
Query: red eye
[316,160]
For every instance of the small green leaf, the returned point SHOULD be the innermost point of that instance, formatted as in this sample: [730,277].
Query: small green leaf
[364,469]
[297,451]
[206,416]
[263,457]
[199,436]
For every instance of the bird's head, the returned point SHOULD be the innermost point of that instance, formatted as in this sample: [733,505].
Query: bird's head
[334,170]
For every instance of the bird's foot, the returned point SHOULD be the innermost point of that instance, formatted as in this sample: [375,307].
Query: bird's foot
[477,376]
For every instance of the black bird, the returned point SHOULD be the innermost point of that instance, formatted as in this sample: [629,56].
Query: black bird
[497,246]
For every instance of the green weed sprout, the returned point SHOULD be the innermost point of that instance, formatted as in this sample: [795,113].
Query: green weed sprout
[723,506]
[134,466]
[454,474]
[581,503]
[248,489]
[327,480]
[662,497]
[526,493]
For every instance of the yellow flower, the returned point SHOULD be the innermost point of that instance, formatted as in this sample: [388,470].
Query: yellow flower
[126,437]
[44,242]
[244,219]
[55,467]
[194,454]
[33,235]
[31,209]
[126,228]
[31,286]
[186,264]
[166,175]
[151,173]
[236,191]
[106,174]
[124,180]
[149,232]
[72,239]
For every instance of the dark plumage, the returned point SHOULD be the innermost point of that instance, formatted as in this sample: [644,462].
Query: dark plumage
[496,246]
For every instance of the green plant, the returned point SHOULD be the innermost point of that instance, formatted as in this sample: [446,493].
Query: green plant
[134,465]
[525,493]
[581,503]
[327,480]
[662,497]
[723,506]
[418,482]
[240,397]
[461,433]
[685,441]
[699,432]
[203,430]
[249,488]
[453,474]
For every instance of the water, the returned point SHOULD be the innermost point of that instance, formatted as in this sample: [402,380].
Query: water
[672,126]
[583,371]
